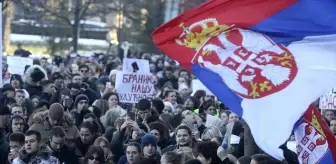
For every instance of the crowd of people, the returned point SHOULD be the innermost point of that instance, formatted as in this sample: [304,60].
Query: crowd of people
[68,112]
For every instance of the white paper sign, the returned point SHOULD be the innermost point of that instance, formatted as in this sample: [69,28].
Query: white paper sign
[328,101]
[198,85]
[135,66]
[16,65]
[132,87]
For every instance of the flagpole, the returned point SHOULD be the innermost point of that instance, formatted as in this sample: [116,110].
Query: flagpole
[1,80]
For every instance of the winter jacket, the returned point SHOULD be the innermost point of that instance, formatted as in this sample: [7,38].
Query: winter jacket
[43,157]
[4,148]
[66,155]
[42,125]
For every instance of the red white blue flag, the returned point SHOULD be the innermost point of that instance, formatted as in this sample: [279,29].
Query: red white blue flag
[267,60]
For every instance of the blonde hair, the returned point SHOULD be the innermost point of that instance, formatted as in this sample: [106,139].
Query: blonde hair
[186,153]
[211,132]
[99,140]
[110,118]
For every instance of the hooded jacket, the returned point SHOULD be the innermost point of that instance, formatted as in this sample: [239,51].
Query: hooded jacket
[9,125]
[32,78]
[42,125]
[42,157]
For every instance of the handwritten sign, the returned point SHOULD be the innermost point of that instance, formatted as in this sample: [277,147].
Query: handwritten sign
[16,65]
[198,85]
[135,66]
[328,101]
[132,87]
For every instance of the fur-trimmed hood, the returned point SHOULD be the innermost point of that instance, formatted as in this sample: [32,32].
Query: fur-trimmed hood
[41,117]
[34,75]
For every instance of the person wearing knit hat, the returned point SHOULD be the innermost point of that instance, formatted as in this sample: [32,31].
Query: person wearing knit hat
[45,121]
[55,114]
[16,81]
[149,148]
[81,100]
[8,90]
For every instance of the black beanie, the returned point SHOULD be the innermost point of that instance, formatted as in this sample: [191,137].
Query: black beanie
[79,98]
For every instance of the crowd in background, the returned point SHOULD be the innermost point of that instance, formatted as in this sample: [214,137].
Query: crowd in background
[68,111]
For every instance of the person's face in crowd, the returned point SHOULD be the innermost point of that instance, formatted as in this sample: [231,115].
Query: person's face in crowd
[77,79]
[56,143]
[74,68]
[178,110]
[15,83]
[113,101]
[224,117]
[35,102]
[3,120]
[43,62]
[329,115]
[10,94]
[183,138]
[145,114]
[233,117]
[211,110]
[113,78]
[101,87]
[19,97]
[135,134]
[155,80]
[181,80]
[18,110]
[132,154]
[55,122]
[156,133]
[86,136]
[167,109]
[172,97]
[184,74]
[185,91]
[15,146]
[189,104]
[31,144]
[203,160]
[17,125]
[152,67]
[149,150]
[74,91]
[94,159]
[59,82]
[85,72]
[333,126]
[169,74]
[81,104]
[160,64]
[105,147]
[50,88]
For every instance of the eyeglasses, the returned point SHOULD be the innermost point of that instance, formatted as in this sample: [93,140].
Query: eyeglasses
[94,158]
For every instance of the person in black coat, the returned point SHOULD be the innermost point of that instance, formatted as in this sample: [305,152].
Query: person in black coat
[65,154]
[4,148]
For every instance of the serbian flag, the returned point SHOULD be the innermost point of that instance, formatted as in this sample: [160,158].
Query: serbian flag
[314,140]
[267,60]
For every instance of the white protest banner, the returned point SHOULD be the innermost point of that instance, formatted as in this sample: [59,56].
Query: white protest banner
[132,87]
[135,66]
[16,65]
[198,85]
[328,101]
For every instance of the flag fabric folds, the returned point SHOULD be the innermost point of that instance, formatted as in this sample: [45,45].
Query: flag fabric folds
[314,140]
[266,60]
